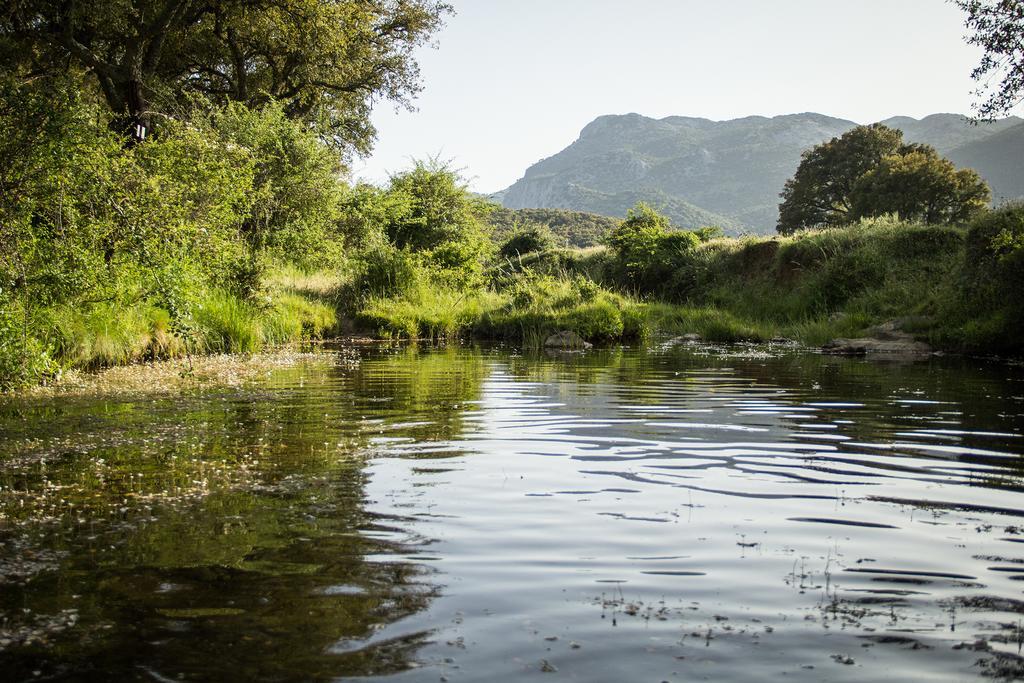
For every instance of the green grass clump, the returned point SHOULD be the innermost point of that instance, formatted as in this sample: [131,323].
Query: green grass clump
[537,305]
[39,344]
[227,324]
[712,324]
[293,317]
[105,334]
[224,323]
[435,313]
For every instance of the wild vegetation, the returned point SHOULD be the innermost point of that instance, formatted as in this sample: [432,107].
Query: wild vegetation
[161,159]
[869,171]
[997,26]
[567,228]
[231,231]
[151,208]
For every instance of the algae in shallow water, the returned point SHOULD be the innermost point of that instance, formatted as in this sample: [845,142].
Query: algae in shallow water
[201,612]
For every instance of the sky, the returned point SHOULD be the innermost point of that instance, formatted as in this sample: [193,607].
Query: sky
[509,82]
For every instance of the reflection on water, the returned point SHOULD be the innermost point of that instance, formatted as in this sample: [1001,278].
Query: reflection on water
[667,514]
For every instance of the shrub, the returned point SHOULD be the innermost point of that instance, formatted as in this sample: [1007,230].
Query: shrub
[294,204]
[526,240]
[596,321]
[647,251]
[23,358]
[992,311]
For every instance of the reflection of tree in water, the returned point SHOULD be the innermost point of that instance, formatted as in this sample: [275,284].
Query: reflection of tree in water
[221,535]
[427,392]
[225,535]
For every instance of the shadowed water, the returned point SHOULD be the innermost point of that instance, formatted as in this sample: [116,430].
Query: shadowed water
[677,513]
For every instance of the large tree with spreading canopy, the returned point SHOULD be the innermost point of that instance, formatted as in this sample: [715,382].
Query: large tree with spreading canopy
[325,61]
[870,171]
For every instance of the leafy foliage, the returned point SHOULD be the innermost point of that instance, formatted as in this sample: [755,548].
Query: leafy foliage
[426,211]
[87,223]
[919,186]
[994,267]
[869,171]
[818,194]
[998,28]
[526,240]
[646,247]
[324,61]
[294,202]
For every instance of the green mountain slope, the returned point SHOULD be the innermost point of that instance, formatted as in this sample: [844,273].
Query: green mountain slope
[726,173]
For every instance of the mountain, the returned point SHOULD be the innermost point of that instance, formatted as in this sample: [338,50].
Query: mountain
[946,132]
[725,173]
[1000,160]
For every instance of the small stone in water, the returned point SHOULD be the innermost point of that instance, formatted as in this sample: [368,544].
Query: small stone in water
[547,667]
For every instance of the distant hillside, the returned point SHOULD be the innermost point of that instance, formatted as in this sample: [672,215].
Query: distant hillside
[946,132]
[999,158]
[571,228]
[725,173]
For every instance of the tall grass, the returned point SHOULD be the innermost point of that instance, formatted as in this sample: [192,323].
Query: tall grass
[106,334]
[426,313]
[524,309]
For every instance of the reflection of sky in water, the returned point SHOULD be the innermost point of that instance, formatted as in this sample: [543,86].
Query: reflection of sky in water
[612,516]
[693,501]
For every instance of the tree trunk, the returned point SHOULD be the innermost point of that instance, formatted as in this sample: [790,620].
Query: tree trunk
[132,118]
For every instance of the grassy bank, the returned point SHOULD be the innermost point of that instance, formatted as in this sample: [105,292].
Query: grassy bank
[951,286]
[44,343]
[955,287]
[414,262]
[946,285]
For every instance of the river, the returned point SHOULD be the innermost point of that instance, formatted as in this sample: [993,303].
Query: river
[672,513]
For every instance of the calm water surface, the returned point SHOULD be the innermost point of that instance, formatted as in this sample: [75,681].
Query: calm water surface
[673,514]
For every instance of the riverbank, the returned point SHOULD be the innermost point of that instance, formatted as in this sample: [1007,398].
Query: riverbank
[942,285]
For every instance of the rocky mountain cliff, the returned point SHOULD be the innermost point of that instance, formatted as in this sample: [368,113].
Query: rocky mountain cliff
[730,173]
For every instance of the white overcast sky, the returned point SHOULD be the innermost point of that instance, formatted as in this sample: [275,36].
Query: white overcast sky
[513,81]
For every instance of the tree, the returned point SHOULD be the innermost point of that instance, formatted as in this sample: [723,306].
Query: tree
[648,249]
[526,239]
[869,171]
[998,28]
[818,195]
[920,185]
[325,61]
[440,208]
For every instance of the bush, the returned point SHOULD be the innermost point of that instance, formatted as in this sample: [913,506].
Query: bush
[648,251]
[995,246]
[23,358]
[294,204]
[526,240]
[992,310]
